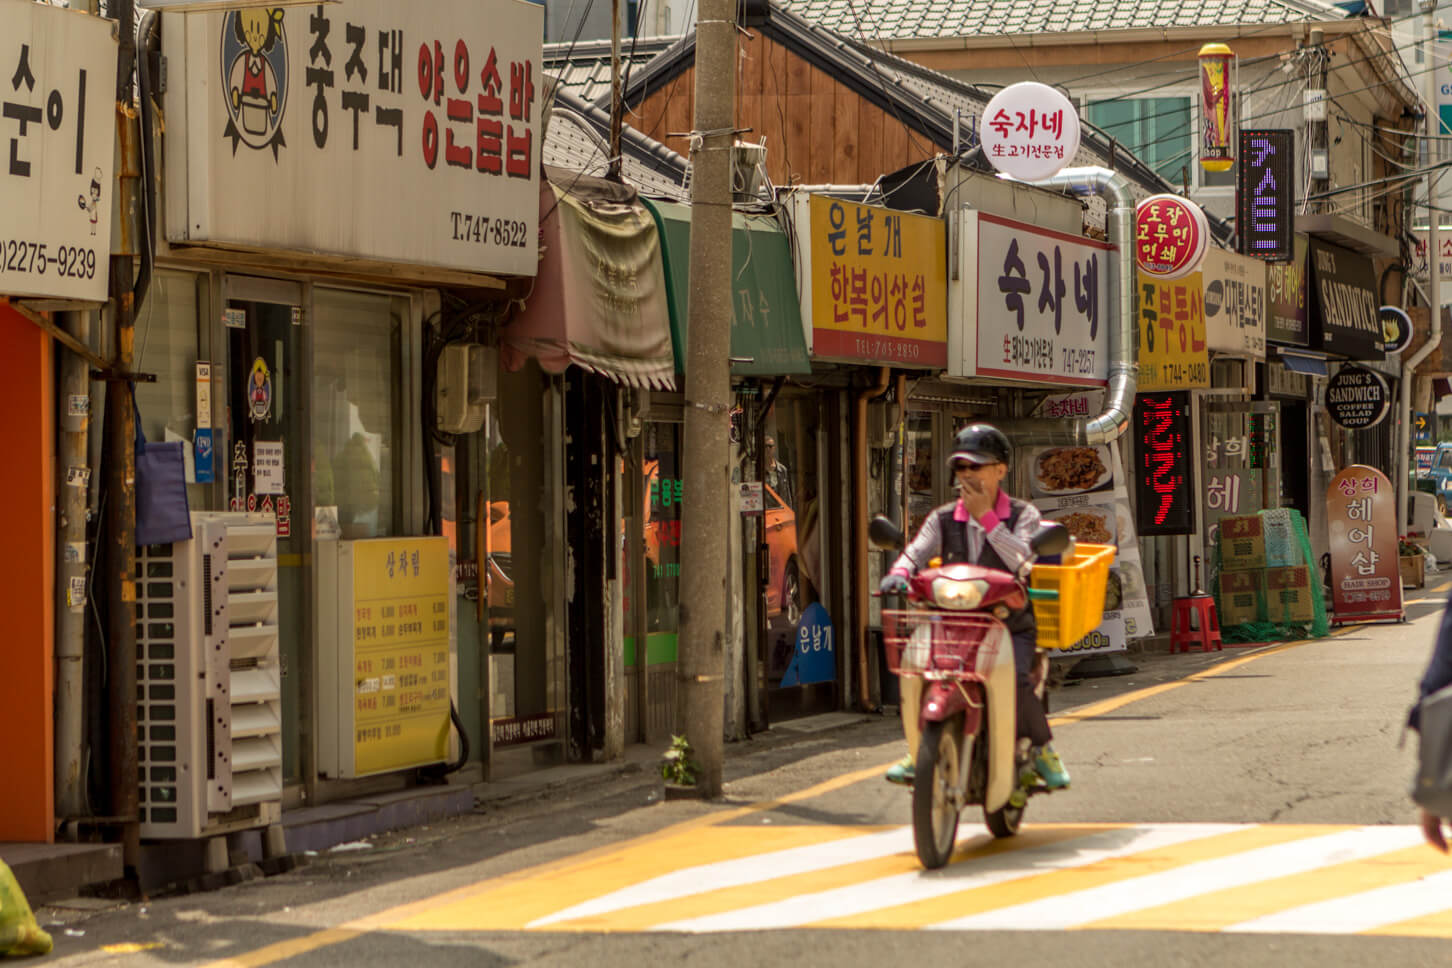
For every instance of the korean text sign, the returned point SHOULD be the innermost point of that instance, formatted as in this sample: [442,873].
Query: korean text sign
[1361,517]
[878,284]
[57,138]
[1164,474]
[1235,303]
[1173,352]
[401,590]
[405,133]
[1042,303]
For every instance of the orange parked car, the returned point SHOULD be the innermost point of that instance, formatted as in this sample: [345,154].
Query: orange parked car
[784,570]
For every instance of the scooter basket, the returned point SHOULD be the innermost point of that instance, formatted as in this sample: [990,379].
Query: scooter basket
[1079,606]
[919,642]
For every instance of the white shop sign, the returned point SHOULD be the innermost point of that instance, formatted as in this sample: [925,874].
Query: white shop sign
[1040,301]
[366,129]
[1029,131]
[57,141]
[1235,303]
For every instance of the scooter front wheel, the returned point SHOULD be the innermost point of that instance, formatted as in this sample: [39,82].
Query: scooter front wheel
[1003,822]
[935,792]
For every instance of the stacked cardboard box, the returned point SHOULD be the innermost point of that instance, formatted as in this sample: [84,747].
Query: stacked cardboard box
[1290,599]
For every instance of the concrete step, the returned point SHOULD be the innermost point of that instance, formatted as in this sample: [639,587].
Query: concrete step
[48,872]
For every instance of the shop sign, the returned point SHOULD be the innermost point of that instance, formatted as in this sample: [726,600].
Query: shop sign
[879,282]
[1422,427]
[1171,236]
[1238,455]
[1444,242]
[1396,329]
[1361,518]
[402,133]
[59,123]
[1265,190]
[1041,299]
[1234,303]
[1346,307]
[1286,289]
[1282,381]
[1029,131]
[1173,354]
[815,656]
[401,636]
[518,730]
[1164,486]
[1357,398]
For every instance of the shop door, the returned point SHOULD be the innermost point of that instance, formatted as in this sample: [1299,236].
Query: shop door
[267,460]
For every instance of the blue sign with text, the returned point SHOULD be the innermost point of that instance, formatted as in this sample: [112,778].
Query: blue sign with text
[815,657]
[203,455]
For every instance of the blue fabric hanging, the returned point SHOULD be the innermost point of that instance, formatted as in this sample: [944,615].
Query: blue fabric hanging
[162,514]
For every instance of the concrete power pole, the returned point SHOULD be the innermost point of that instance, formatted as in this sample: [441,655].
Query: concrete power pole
[617,95]
[706,516]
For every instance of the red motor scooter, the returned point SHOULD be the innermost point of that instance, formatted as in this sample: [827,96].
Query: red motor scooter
[953,638]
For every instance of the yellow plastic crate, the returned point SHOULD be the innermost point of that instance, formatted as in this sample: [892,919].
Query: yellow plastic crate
[1081,584]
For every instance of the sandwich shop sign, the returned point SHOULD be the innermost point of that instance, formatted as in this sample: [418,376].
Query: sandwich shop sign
[366,129]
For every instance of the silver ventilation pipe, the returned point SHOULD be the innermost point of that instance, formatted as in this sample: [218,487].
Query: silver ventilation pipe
[1123,334]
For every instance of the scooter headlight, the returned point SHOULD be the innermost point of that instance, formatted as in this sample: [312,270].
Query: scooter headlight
[959,595]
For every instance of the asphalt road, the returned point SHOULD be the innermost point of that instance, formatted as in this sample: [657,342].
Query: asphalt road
[1245,807]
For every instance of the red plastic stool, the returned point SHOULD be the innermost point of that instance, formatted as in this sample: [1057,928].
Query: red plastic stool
[1195,623]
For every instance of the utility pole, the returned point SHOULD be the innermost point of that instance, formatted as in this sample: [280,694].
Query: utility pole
[617,94]
[121,464]
[701,665]
[1320,155]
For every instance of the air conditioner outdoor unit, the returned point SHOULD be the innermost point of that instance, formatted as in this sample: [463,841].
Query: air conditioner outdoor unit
[209,710]
[748,169]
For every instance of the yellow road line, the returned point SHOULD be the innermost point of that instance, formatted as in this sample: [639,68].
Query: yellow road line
[509,907]
[1218,910]
[770,890]
[1035,887]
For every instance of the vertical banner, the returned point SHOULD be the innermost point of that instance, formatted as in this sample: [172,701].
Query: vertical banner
[1173,354]
[1361,516]
[1083,489]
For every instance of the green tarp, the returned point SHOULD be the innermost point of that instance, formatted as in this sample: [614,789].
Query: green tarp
[766,321]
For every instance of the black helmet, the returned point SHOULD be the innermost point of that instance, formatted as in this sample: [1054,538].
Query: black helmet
[980,443]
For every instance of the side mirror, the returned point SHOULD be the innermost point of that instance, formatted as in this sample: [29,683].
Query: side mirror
[1051,538]
[884,535]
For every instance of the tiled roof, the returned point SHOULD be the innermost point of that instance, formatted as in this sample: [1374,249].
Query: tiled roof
[577,140]
[583,69]
[901,19]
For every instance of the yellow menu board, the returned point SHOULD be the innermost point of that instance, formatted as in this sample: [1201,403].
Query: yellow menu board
[1172,345]
[400,653]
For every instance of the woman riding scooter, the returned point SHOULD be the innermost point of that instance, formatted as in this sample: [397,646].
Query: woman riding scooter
[983,527]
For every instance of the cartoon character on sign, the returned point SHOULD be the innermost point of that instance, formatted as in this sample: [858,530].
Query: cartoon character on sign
[259,391]
[92,205]
[254,76]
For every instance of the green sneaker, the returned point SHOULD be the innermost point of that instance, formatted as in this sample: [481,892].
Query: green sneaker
[1048,765]
[901,772]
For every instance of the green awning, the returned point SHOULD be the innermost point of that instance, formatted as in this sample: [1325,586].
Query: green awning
[766,321]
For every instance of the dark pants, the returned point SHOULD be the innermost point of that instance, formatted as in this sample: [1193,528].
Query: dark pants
[1033,722]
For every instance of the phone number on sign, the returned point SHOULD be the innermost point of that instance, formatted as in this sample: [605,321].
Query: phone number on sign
[484,230]
[36,258]
[882,349]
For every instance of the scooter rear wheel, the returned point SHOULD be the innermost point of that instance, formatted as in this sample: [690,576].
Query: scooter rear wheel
[935,785]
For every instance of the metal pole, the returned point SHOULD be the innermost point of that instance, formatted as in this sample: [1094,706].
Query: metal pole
[701,666]
[121,465]
[1434,272]
[72,488]
[617,94]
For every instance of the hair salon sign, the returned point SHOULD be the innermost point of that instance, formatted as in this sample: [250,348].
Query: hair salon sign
[398,133]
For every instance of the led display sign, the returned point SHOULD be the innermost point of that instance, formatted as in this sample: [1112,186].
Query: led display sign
[1264,192]
[1164,488]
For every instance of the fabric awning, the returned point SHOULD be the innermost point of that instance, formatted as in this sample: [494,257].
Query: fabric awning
[599,300]
[766,318]
[1309,365]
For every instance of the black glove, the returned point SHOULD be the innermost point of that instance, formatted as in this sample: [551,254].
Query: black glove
[893,584]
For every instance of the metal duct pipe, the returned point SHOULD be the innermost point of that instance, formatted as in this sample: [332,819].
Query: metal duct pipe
[1123,335]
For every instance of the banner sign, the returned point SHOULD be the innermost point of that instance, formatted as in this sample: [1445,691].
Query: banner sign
[1265,191]
[1042,305]
[59,125]
[1357,398]
[1173,354]
[1345,304]
[1235,302]
[1164,485]
[879,282]
[1286,290]
[403,133]
[1361,516]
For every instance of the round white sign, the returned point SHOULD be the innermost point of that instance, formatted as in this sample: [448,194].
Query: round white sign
[1029,130]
